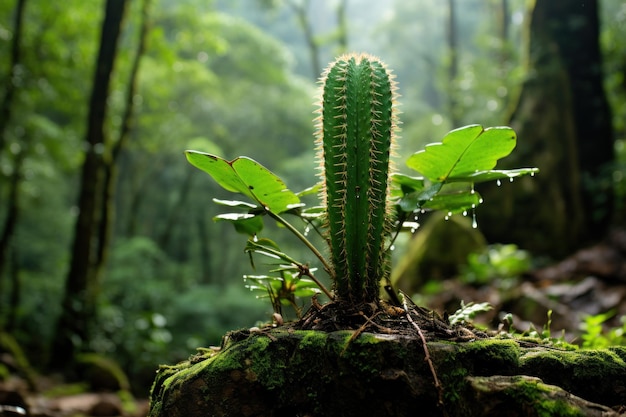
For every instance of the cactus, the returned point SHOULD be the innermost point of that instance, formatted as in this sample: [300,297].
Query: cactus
[355,129]
[355,132]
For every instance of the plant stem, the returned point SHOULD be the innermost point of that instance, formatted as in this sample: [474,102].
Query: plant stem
[309,245]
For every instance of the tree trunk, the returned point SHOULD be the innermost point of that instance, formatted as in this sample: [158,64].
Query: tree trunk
[206,258]
[301,13]
[564,127]
[453,64]
[72,332]
[175,213]
[12,77]
[10,221]
[5,115]
[342,27]
[8,230]
[111,166]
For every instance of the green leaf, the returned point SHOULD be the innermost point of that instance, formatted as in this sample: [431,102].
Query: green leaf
[246,176]
[417,199]
[235,203]
[463,152]
[268,248]
[453,203]
[405,184]
[245,223]
[306,288]
[311,190]
[312,213]
[483,176]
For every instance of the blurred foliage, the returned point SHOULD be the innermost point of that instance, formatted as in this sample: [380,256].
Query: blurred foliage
[496,262]
[596,336]
[467,312]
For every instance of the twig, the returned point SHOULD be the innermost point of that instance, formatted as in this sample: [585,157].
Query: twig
[429,361]
[358,331]
[306,271]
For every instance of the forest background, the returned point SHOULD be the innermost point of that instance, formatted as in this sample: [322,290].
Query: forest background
[107,242]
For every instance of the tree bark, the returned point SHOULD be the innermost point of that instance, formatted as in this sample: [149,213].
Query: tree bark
[8,230]
[10,221]
[453,64]
[301,13]
[72,332]
[111,168]
[564,127]
[12,77]
[342,23]
[175,213]
[5,115]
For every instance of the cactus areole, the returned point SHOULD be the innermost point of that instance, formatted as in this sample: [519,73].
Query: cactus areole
[355,129]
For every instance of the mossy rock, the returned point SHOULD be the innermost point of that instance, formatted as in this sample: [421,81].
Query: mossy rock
[315,373]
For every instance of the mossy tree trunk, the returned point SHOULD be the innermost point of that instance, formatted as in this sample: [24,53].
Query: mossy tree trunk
[564,127]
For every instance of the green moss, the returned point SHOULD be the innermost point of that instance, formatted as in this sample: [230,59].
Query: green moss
[581,364]
[321,372]
[620,351]
[454,362]
[312,339]
[582,372]
[539,396]
[496,352]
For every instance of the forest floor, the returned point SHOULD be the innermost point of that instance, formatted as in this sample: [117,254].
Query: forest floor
[590,282]
[554,299]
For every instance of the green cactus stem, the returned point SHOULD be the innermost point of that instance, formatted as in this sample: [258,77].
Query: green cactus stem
[355,128]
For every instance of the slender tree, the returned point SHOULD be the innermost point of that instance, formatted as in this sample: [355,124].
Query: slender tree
[72,331]
[15,61]
[564,124]
[453,64]
[340,35]
[111,162]
[6,105]
[342,27]
[301,11]
[8,230]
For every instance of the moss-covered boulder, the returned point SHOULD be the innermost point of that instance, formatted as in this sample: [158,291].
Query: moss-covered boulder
[316,373]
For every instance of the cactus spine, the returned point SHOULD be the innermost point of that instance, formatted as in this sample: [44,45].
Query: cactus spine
[355,129]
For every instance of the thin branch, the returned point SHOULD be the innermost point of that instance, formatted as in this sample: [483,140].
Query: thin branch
[306,271]
[12,77]
[303,239]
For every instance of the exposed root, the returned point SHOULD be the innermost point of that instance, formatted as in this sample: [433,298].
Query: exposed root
[382,317]
[438,385]
[410,320]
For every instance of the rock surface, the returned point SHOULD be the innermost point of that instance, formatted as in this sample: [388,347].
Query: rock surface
[316,373]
